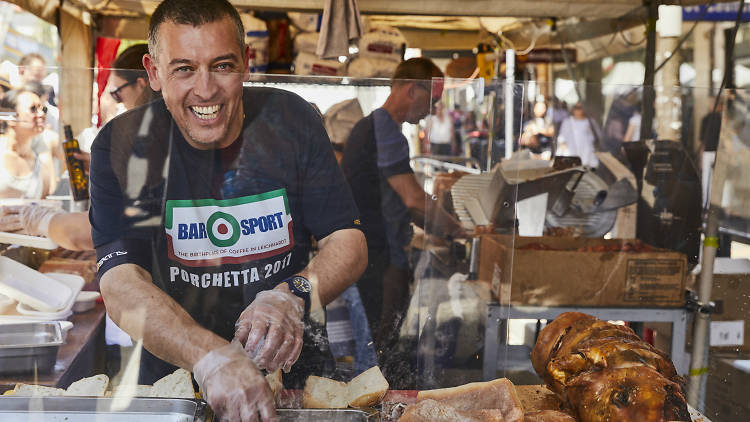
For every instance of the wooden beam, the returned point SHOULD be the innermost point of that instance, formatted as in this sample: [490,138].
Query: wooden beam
[436,40]
[515,8]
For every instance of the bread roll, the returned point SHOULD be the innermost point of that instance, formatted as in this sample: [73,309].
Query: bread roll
[37,390]
[94,386]
[367,388]
[324,393]
[178,384]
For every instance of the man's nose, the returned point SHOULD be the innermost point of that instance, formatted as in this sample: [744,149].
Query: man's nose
[205,84]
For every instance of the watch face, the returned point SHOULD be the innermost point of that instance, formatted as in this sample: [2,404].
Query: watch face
[301,284]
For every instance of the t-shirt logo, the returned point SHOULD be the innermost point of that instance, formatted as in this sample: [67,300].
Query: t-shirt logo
[209,232]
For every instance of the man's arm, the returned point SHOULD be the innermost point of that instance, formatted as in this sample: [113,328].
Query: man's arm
[71,231]
[415,199]
[146,313]
[341,260]
[411,194]
[230,381]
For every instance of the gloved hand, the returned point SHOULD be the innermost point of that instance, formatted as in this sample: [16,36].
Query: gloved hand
[233,386]
[271,329]
[32,219]
[9,220]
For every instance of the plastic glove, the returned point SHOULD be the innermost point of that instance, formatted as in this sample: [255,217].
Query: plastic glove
[271,329]
[36,219]
[9,219]
[233,386]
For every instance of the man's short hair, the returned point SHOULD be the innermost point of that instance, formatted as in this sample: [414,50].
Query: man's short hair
[195,13]
[416,68]
[28,58]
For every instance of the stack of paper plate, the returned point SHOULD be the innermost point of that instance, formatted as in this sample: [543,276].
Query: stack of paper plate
[40,296]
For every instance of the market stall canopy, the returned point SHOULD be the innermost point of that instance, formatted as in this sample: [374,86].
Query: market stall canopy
[431,24]
[511,8]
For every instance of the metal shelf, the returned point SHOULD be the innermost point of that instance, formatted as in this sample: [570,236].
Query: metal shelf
[497,316]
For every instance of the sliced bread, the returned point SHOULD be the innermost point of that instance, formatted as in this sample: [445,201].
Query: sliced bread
[178,384]
[367,388]
[131,390]
[276,383]
[37,390]
[324,393]
[94,386]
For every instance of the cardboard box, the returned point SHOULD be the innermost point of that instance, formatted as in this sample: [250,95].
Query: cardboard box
[731,293]
[566,275]
[727,390]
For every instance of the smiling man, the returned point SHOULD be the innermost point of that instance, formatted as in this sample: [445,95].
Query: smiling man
[204,205]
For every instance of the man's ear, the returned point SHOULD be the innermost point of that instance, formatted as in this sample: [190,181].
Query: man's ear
[153,76]
[411,89]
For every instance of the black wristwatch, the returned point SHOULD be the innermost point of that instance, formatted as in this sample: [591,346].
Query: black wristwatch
[300,287]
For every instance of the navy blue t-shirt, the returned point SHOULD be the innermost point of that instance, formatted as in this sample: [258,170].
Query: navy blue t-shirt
[376,150]
[215,227]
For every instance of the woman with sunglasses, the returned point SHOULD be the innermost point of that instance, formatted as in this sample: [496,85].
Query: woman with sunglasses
[128,82]
[24,172]
[129,87]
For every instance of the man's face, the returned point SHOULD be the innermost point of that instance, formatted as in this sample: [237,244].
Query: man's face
[421,102]
[35,71]
[199,71]
[540,110]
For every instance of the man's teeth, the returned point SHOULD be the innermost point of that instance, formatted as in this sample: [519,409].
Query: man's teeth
[206,113]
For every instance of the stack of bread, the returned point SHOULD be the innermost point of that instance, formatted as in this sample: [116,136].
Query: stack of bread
[365,390]
[178,384]
[604,372]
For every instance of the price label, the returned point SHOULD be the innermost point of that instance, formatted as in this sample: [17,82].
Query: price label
[727,333]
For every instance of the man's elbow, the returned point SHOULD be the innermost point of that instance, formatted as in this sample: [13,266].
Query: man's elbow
[360,260]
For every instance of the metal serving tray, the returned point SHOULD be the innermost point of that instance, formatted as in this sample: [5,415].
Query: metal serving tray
[91,409]
[328,415]
[27,346]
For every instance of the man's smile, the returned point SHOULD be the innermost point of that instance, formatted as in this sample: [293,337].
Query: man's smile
[206,112]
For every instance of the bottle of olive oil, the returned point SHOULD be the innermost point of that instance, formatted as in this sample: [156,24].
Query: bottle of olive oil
[79,182]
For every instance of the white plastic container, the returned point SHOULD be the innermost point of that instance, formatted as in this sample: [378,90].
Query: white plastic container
[6,304]
[85,301]
[74,282]
[33,288]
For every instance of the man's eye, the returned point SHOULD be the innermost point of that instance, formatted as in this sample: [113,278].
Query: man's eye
[183,69]
[224,66]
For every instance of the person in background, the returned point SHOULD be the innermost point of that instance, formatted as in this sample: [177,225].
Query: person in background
[129,80]
[633,133]
[538,132]
[709,136]
[376,165]
[73,230]
[578,135]
[458,120]
[33,68]
[4,85]
[49,141]
[24,173]
[557,113]
[439,131]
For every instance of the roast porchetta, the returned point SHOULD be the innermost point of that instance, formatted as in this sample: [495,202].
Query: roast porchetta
[604,372]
